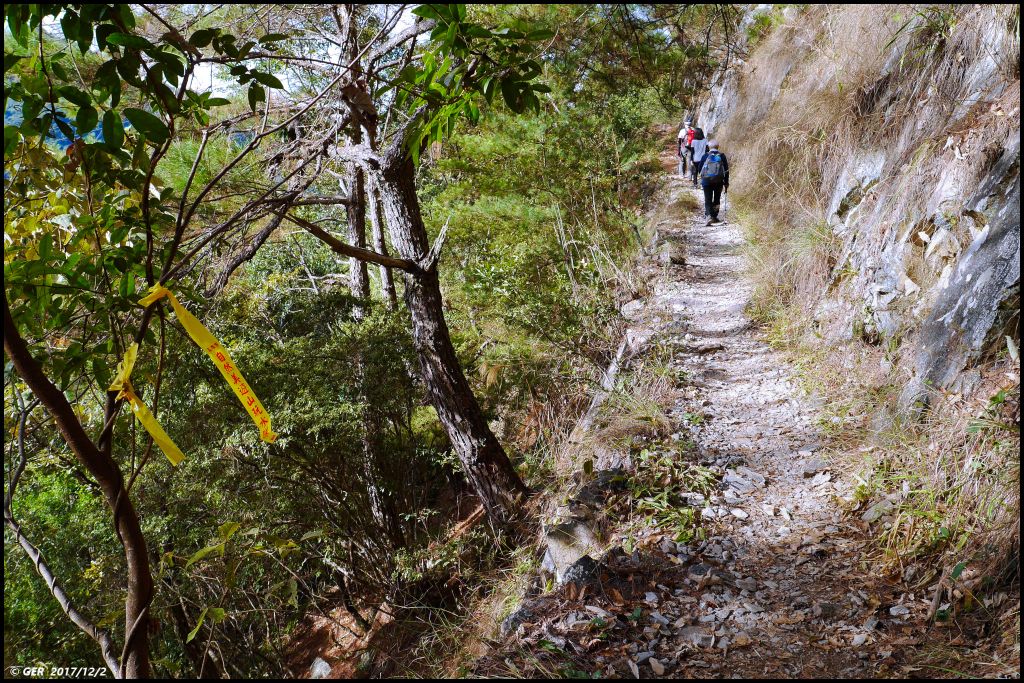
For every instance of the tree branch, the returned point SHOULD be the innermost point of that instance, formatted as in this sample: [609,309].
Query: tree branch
[344,249]
[107,474]
[101,636]
[243,256]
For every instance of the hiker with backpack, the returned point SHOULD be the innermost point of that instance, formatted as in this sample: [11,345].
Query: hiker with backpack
[714,178]
[698,150]
[684,145]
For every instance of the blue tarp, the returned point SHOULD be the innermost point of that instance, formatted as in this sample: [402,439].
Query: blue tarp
[12,117]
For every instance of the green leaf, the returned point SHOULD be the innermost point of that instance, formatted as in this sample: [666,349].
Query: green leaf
[113,130]
[75,96]
[476,31]
[228,529]
[84,36]
[10,60]
[102,372]
[216,614]
[256,95]
[205,552]
[18,26]
[273,38]
[217,102]
[510,93]
[488,86]
[86,120]
[105,75]
[149,125]
[128,40]
[129,68]
[11,137]
[140,158]
[958,570]
[64,128]
[125,14]
[531,70]
[268,79]
[69,24]
[426,11]
[59,71]
[194,632]
[127,287]
[115,93]
[202,37]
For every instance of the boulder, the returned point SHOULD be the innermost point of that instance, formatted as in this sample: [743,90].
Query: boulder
[568,538]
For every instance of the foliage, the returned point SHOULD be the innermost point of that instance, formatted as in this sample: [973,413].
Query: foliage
[659,485]
[118,172]
[468,59]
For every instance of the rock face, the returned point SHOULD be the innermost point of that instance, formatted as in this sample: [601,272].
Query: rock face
[917,181]
[986,276]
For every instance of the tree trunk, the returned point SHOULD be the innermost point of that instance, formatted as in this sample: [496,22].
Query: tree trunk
[359,280]
[485,463]
[380,246]
[360,287]
[111,482]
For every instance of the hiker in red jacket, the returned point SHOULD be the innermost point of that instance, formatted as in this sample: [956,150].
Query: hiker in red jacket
[685,145]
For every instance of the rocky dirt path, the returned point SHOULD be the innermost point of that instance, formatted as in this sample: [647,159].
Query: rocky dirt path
[779,587]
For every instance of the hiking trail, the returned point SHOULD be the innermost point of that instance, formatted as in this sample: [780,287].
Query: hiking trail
[779,587]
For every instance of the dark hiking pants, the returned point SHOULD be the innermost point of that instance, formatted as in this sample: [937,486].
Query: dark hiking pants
[695,169]
[712,199]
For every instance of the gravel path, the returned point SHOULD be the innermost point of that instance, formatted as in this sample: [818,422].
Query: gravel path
[786,594]
[780,585]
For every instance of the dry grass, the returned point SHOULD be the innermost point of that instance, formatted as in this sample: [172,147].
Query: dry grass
[954,478]
[831,87]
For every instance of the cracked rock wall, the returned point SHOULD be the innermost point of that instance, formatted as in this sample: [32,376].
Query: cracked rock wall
[895,131]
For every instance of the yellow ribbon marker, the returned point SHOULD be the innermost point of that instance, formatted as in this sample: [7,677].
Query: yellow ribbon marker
[122,384]
[219,355]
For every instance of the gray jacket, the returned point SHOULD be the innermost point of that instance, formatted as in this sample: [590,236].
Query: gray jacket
[700,149]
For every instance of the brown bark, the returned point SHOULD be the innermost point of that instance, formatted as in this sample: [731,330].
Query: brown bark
[486,465]
[135,663]
[244,256]
[359,279]
[339,247]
